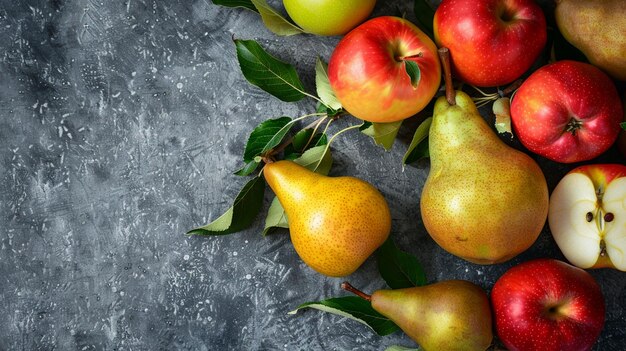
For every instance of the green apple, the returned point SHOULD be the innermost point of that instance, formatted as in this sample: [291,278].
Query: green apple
[328,17]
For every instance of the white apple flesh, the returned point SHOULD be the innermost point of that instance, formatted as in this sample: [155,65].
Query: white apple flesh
[587,216]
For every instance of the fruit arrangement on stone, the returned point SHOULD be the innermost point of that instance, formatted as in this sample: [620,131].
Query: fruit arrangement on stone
[553,73]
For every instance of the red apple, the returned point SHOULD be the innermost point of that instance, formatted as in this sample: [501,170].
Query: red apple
[547,305]
[367,70]
[491,42]
[567,111]
[587,216]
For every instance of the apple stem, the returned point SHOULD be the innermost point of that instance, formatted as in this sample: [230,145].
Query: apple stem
[444,55]
[348,287]
[404,58]
[511,88]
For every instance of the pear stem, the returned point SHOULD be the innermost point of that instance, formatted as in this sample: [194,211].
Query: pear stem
[444,55]
[348,287]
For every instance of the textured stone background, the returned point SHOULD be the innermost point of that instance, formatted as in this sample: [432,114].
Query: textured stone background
[121,123]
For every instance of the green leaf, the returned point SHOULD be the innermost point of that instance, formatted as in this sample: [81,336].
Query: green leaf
[268,73]
[236,3]
[299,143]
[419,145]
[425,15]
[302,142]
[302,139]
[623,125]
[322,84]
[276,23]
[321,108]
[266,136]
[384,134]
[413,70]
[276,217]
[291,155]
[317,159]
[354,308]
[248,169]
[320,139]
[239,217]
[399,269]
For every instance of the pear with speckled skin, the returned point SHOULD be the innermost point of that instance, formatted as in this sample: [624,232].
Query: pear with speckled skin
[335,223]
[596,27]
[452,315]
[483,200]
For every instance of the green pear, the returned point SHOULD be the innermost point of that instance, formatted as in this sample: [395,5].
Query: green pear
[597,28]
[452,315]
[335,223]
[483,200]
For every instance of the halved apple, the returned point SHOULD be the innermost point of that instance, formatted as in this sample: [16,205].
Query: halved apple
[587,216]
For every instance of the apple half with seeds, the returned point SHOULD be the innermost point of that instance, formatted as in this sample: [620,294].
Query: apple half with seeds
[587,216]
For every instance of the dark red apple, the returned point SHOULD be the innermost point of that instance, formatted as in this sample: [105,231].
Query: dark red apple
[547,305]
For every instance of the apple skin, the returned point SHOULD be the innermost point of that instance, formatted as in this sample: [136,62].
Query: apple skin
[579,206]
[547,305]
[567,111]
[328,17]
[491,42]
[368,75]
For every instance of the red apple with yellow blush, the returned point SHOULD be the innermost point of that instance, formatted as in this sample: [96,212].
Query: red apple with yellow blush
[368,73]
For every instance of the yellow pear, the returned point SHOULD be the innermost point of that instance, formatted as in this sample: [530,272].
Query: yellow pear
[335,223]
[597,28]
[483,200]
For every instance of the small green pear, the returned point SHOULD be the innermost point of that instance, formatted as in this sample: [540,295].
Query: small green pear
[335,223]
[596,27]
[452,315]
[483,200]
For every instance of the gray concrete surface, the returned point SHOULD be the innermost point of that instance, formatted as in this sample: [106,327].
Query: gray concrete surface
[121,123]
